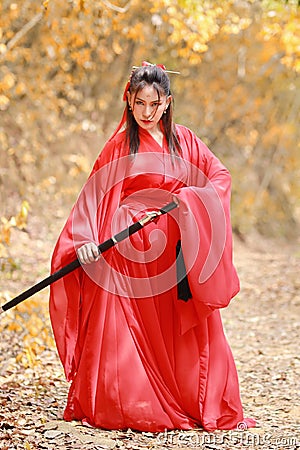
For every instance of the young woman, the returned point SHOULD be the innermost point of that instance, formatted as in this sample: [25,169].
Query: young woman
[138,328]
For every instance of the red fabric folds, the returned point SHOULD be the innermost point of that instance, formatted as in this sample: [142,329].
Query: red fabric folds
[136,356]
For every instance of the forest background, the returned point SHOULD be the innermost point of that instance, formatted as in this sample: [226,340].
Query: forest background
[63,68]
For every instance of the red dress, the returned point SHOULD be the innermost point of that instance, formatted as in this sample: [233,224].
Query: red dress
[138,356]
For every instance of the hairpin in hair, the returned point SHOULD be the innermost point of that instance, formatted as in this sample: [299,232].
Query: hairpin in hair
[146,63]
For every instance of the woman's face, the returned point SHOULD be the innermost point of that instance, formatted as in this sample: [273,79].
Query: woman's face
[147,107]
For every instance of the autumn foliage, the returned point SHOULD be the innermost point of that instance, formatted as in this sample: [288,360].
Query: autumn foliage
[63,68]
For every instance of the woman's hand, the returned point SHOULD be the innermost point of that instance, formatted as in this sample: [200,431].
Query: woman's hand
[88,253]
[175,199]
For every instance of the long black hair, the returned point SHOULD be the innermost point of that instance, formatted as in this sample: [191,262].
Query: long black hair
[154,76]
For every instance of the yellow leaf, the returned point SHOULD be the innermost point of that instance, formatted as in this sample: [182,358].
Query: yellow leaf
[19,357]
[30,356]
[45,4]
[3,49]
[198,47]
[4,102]
[20,89]
[21,217]
[5,233]
[7,82]
[15,325]
[117,48]
[12,222]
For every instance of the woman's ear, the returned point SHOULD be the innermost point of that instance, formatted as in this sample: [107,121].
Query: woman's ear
[169,99]
[129,99]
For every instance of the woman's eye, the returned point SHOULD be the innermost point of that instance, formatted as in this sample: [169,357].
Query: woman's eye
[138,102]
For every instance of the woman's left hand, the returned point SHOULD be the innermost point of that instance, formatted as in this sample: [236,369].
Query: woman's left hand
[175,199]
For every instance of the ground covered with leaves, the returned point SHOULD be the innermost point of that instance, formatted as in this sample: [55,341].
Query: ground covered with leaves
[262,324]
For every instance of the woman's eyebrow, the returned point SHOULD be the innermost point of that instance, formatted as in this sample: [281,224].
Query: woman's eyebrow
[142,100]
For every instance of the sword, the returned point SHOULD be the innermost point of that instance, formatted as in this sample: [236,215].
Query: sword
[149,217]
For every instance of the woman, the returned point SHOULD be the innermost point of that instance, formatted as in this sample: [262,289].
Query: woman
[138,329]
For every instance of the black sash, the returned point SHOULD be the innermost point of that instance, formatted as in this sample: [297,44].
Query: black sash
[183,288]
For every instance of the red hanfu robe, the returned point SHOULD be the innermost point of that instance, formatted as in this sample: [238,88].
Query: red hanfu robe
[138,356]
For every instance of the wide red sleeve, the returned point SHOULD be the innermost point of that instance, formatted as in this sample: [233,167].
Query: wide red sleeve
[206,233]
[90,220]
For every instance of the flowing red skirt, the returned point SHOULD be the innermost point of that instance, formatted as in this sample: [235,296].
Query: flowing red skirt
[150,363]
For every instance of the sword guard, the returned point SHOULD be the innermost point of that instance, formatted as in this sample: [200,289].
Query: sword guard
[150,216]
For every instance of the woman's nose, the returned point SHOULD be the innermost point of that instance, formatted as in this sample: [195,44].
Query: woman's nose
[147,111]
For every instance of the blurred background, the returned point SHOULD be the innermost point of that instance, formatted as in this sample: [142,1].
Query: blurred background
[63,68]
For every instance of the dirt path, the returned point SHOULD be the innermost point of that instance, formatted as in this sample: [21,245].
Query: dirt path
[262,325]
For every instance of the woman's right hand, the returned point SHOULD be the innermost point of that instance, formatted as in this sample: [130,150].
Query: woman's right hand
[88,253]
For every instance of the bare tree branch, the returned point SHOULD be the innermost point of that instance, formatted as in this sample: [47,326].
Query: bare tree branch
[20,34]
